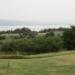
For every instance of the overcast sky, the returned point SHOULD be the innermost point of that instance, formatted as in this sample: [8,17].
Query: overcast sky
[45,11]
[52,11]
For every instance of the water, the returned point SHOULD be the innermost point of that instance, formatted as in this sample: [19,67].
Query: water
[32,27]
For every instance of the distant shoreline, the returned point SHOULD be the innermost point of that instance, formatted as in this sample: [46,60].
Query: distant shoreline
[32,27]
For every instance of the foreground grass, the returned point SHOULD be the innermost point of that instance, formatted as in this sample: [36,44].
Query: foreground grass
[44,64]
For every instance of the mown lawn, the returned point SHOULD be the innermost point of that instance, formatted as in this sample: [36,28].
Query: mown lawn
[58,64]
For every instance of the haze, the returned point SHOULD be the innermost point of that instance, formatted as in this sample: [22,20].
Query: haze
[52,11]
[60,12]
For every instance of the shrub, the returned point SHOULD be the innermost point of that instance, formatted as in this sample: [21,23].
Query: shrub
[34,46]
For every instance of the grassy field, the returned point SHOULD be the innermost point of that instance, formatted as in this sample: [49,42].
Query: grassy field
[62,63]
[9,37]
[55,33]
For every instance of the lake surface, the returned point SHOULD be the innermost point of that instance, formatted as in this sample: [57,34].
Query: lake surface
[32,27]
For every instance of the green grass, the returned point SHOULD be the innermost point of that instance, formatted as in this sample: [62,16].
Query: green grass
[62,63]
[8,37]
[41,34]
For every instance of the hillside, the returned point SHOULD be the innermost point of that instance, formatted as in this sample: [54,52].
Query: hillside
[62,63]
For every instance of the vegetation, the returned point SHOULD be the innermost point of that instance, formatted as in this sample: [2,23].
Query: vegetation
[27,41]
[30,52]
[33,46]
[2,37]
[62,63]
[69,38]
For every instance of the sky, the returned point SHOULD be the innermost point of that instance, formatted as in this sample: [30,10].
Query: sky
[45,11]
[54,11]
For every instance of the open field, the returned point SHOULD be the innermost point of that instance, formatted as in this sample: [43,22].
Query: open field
[9,36]
[62,63]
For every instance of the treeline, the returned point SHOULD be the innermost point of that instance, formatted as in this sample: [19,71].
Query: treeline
[41,44]
[23,33]
[69,38]
[53,29]
[33,46]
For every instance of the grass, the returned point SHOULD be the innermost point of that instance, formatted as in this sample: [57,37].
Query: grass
[55,32]
[41,34]
[8,37]
[62,63]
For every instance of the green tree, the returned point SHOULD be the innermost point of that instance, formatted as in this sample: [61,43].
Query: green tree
[49,34]
[69,38]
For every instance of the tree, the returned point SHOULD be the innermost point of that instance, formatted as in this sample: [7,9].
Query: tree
[54,44]
[69,38]
[49,34]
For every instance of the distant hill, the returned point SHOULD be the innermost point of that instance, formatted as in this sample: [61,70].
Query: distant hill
[11,22]
[14,22]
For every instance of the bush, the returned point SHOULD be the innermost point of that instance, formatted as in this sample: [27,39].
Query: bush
[34,46]
[69,38]
[2,37]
